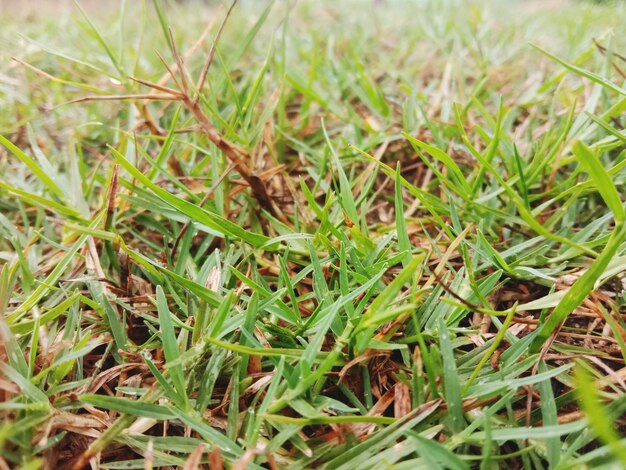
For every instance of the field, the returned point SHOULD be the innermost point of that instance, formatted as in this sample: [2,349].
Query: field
[338,235]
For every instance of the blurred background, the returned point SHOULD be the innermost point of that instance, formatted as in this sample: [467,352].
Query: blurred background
[399,39]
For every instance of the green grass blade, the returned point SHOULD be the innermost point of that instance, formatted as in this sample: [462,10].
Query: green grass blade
[589,399]
[170,345]
[603,182]
[193,212]
[584,73]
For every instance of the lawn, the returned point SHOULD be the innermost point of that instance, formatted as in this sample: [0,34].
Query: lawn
[338,235]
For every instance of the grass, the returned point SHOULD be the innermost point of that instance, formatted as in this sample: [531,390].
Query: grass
[346,236]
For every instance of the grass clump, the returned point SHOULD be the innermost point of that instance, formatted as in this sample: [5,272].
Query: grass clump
[347,236]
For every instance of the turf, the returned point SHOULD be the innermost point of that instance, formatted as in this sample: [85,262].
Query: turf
[342,235]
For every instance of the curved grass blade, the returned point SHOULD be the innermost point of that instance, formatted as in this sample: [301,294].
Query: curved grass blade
[193,212]
[583,73]
[32,165]
[581,288]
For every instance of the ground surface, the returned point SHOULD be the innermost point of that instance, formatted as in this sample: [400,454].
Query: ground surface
[378,234]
